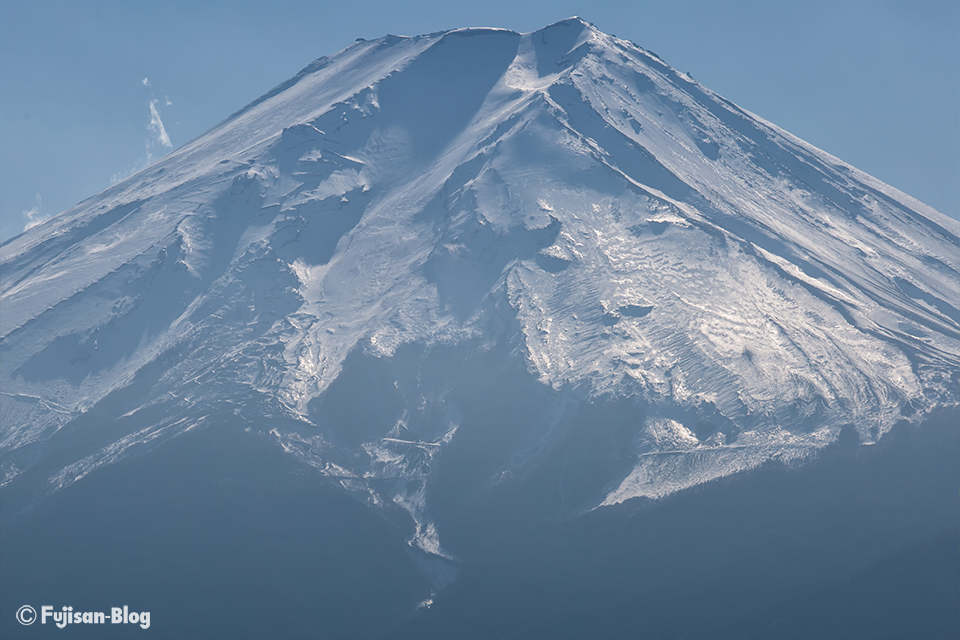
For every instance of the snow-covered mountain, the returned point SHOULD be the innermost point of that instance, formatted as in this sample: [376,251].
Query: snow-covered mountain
[434,267]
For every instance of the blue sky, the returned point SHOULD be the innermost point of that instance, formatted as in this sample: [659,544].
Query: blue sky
[875,83]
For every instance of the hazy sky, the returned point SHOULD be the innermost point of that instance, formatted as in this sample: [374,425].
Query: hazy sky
[89,89]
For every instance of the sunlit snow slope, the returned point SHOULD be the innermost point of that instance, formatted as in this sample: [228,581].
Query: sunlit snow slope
[361,262]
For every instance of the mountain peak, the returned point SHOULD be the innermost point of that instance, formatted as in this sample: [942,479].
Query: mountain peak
[573,22]
[475,251]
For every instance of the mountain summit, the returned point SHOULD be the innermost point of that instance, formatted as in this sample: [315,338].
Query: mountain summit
[439,268]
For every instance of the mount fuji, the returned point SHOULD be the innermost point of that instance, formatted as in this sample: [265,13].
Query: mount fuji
[481,312]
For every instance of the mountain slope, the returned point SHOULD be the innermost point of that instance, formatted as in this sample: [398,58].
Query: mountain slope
[430,268]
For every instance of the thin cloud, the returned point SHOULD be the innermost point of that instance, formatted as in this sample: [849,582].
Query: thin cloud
[156,128]
[120,176]
[34,215]
[157,136]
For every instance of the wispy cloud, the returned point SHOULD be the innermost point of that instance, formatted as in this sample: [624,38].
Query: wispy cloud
[156,138]
[156,126]
[34,215]
[119,176]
